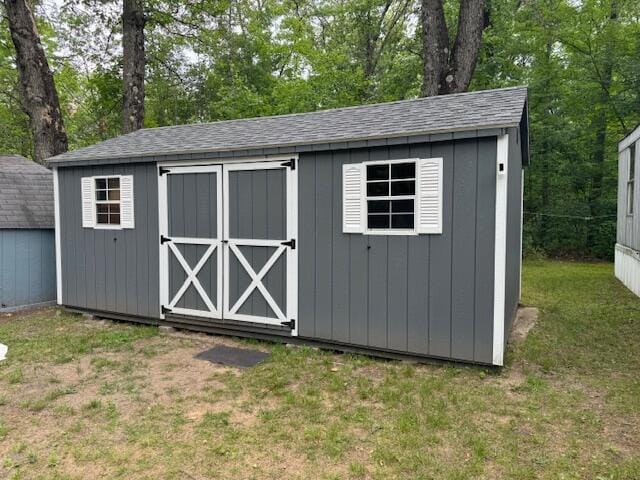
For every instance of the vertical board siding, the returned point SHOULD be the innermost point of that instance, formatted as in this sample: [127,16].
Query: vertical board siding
[514,232]
[111,270]
[463,243]
[485,221]
[323,254]
[27,267]
[440,254]
[425,294]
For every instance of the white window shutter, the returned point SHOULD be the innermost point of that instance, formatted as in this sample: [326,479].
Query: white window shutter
[353,216]
[126,201]
[88,202]
[429,195]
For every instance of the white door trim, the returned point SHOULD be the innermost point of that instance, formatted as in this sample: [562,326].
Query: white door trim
[214,311]
[227,161]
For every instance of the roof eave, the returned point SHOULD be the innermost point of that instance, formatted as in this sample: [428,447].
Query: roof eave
[150,156]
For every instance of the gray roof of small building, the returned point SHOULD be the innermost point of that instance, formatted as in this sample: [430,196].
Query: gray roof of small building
[26,194]
[487,109]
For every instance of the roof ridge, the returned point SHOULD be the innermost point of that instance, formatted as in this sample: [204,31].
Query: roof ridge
[335,109]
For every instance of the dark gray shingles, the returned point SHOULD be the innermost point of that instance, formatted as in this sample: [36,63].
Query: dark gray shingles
[26,194]
[448,113]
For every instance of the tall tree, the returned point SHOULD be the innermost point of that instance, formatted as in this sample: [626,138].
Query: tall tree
[133,65]
[38,94]
[449,68]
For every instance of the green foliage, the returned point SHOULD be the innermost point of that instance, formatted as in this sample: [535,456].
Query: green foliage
[211,60]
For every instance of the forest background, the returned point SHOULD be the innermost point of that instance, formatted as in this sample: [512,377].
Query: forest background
[205,60]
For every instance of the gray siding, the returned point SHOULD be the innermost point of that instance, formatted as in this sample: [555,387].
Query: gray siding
[111,270]
[628,225]
[514,230]
[427,294]
[27,267]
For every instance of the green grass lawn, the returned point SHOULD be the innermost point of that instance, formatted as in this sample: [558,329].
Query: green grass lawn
[85,399]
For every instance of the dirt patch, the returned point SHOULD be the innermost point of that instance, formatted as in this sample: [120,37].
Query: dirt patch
[526,319]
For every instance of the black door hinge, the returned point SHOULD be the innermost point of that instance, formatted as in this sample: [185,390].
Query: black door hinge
[162,171]
[291,324]
[164,239]
[291,243]
[165,309]
[291,164]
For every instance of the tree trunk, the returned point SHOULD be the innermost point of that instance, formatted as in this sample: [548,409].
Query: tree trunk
[599,128]
[133,65]
[38,94]
[435,46]
[447,69]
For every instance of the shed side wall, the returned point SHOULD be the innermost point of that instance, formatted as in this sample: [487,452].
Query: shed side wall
[27,267]
[426,294]
[111,270]
[514,230]
[628,233]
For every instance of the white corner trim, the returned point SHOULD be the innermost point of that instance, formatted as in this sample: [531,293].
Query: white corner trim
[56,214]
[521,232]
[500,248]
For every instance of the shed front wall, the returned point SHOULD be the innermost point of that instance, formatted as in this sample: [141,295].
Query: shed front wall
[424,294]
[111,270]
[27,267]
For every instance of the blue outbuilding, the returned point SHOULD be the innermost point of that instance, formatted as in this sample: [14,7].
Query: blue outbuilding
[27,240]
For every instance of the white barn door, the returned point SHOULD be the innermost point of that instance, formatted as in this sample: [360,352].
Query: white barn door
[260,235]
[229,241]
[190,240]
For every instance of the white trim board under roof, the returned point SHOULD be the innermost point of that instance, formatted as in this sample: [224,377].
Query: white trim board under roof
[632,137]
[475,112]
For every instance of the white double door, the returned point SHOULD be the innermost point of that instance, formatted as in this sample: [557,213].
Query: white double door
[228,241]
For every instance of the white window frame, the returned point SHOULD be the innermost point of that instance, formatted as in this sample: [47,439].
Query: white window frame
[96,202]
[390,231]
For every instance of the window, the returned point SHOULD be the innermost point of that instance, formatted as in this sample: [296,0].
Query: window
[390,195]
[107,201]
[631,179]
[393,197]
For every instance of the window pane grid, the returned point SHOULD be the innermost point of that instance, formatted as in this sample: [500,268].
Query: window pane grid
[108,200]
[391,196]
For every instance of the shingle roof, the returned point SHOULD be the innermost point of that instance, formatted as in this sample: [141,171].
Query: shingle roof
[26,194]
[459,112]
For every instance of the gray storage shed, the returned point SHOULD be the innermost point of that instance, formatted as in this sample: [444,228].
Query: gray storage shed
[27,253]
[393,229]
[627,250]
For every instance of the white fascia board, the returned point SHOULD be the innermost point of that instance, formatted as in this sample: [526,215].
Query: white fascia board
[629,139]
